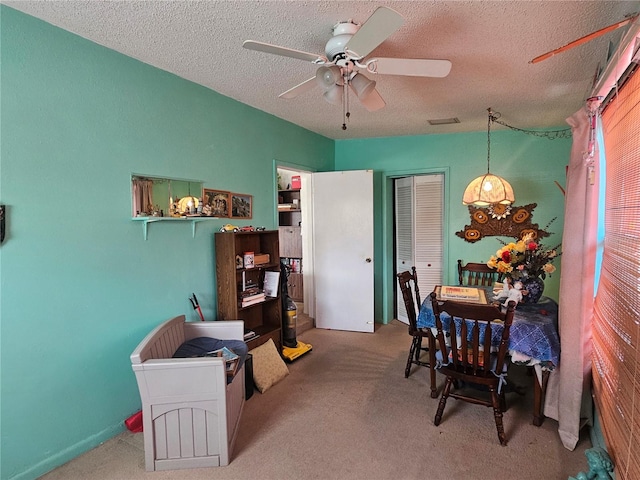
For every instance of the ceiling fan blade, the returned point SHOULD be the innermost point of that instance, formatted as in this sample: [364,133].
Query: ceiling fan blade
[380,25]
[413,67]
[284,52]
[585,39]
[373,101]
[298,89]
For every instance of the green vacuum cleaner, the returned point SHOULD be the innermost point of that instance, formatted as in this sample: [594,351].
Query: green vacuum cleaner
[291,347]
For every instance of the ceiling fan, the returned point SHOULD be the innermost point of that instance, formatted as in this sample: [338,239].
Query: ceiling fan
[340,68]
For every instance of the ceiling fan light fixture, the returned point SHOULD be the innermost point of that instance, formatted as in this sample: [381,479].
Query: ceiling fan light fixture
[333,95]
[362,85]
[327,77]
[488,189]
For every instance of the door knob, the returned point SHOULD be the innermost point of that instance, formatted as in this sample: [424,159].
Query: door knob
[368,260]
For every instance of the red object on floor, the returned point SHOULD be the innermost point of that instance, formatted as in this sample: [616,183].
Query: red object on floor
[134,422]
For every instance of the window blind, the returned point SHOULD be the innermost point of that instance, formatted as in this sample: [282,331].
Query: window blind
[616,322]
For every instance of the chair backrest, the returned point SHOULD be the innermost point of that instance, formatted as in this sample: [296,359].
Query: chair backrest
[410,302]
[471,350]
[477,274]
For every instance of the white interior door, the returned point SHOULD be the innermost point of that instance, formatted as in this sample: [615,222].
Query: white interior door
[419,230]
[343,250]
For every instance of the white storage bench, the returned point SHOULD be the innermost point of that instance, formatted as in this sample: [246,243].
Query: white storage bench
[190,414]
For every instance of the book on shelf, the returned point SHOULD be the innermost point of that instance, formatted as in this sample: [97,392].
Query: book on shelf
[251,293]
[246,302]
[271,283]
[261,259]
[461,294]
[253,337]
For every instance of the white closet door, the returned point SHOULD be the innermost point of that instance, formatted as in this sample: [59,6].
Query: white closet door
[419,234]
[404,235]
[429,193]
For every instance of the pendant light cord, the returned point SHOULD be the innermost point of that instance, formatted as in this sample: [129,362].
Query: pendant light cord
[491,118]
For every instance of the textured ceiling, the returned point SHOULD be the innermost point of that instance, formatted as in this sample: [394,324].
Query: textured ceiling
[490,44]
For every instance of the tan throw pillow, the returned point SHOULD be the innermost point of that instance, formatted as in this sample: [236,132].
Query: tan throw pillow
[268,366]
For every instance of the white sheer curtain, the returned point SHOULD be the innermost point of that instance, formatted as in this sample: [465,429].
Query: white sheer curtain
[142,196]
[568,398]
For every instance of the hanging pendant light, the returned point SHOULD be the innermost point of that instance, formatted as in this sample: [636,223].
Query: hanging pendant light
[188,204]
[488,189]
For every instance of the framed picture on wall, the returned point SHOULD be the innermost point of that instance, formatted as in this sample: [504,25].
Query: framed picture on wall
[241,205]
[216,203]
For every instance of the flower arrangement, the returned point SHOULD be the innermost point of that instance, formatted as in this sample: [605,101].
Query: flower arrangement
[524,258]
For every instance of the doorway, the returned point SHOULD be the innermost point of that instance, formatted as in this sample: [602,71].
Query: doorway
[294,225]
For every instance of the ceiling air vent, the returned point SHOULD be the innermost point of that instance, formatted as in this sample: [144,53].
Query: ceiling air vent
[443,121]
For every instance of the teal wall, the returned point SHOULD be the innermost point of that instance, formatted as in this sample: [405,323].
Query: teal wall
[79,285]
[530,163]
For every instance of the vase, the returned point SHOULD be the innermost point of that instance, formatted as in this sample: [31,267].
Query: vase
[535,287]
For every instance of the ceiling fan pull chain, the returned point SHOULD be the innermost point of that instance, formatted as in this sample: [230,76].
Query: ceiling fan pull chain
[345,101]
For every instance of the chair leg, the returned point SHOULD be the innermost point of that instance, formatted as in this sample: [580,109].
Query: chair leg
[432,366]
[443,401]
[412,352]
[503,401]
[497,413]
[418,348]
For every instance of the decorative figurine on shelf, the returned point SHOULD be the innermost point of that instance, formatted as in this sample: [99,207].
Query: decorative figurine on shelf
[600,465]
[175,211]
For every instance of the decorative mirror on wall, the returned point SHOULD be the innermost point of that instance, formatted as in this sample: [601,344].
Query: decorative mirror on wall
[165,197]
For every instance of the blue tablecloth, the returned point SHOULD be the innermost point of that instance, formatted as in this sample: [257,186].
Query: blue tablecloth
[534,332]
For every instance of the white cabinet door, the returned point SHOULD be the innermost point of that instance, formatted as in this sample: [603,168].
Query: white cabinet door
[343,250]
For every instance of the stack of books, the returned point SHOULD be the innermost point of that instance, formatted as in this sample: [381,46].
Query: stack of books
[251,296]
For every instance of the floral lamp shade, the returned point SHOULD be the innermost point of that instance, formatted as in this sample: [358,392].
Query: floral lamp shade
[488,189]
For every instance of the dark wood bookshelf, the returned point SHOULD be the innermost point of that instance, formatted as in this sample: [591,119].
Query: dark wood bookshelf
[264,318]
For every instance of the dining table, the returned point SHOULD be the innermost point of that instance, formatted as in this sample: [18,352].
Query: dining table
[533,341]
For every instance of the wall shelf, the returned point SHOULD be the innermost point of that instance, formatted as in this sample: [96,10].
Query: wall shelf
[192,220]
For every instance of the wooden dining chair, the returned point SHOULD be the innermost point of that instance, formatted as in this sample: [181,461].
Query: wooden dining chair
[469,357]
[412,304]
[477,275]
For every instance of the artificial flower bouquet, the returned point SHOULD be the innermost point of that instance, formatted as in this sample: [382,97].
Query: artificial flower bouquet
[524,259]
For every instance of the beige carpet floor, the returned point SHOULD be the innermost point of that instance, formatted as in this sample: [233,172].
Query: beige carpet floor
[347,412]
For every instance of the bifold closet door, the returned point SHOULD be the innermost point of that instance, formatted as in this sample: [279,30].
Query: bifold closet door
[418,225]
